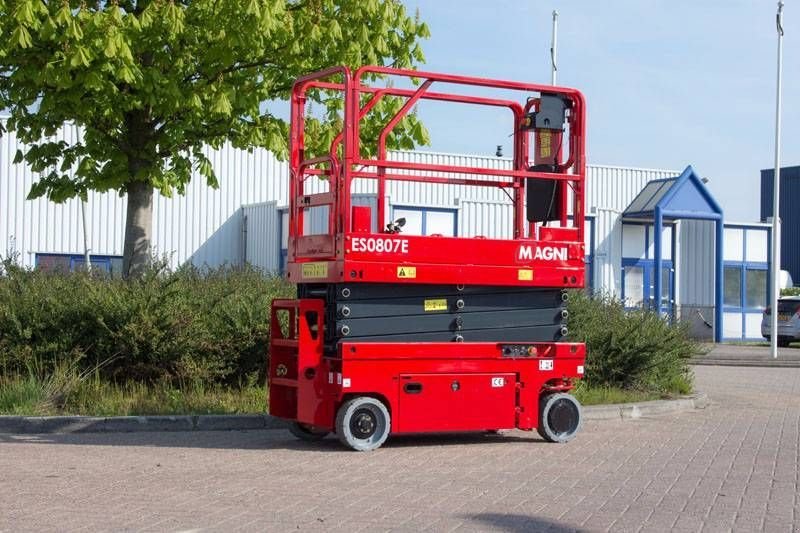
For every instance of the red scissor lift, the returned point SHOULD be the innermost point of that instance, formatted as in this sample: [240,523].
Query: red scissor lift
[397,333]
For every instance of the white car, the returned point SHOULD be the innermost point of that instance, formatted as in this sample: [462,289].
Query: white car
[788,320]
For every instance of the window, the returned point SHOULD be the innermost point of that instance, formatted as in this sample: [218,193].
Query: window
[756,285]
[633,286]
[732,286]
[427,221]
[110,264]
[745,286]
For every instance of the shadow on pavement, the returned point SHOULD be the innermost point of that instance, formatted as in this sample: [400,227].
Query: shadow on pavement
[517,523]
[254,440]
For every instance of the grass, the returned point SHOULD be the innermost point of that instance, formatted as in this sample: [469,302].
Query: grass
[32,396]
[608,395]
[66,390]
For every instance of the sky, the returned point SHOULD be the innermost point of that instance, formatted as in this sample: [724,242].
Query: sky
[668,83]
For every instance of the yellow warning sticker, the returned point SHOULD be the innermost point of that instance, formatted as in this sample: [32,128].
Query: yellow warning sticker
[545,146]
[525,274]
[406,272]
[435,305]
[315,270]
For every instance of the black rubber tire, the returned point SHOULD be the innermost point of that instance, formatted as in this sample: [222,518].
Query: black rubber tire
[784,343]
[363,423]
[306,432]
[560,417]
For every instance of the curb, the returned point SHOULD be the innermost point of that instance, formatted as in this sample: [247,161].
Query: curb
[22,425]
[623,411]
[763,363]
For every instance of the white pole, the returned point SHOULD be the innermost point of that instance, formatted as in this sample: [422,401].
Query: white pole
[776,223]
[86,257]
[553,50]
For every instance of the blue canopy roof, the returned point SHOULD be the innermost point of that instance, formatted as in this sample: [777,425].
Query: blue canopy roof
[683,196]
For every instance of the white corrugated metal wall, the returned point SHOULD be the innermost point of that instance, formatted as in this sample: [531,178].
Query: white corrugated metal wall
[615,188]
[205,226]
[261,235]
[493,220]
[695,263]
[607,251]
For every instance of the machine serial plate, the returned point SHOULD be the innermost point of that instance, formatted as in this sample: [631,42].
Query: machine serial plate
[315,270]
[435,305]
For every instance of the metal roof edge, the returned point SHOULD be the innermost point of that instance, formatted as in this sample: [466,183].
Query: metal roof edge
[740,224]
[674,173]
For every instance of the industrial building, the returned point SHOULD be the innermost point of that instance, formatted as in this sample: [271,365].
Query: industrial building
[790,216]
[714,273]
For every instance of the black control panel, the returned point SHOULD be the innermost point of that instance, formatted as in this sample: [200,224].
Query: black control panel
[518,350]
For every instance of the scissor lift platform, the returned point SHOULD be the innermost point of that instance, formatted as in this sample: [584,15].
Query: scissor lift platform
[398,333]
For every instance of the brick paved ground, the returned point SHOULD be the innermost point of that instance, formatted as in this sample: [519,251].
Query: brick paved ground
[731,466]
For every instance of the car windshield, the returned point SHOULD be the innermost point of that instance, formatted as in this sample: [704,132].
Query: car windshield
[788,307]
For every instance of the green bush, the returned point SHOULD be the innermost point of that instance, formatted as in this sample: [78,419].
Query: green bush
[634,350]
[187,325]
[790,291]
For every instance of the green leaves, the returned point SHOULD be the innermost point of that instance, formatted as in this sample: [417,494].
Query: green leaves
[150,87]
[21,37]
[221,105]
[81,56]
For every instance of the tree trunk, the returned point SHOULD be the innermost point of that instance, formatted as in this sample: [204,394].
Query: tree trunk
[138,229]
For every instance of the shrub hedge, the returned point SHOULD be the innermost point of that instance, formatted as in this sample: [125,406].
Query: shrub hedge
[630,349]
[212,326]
[184,325]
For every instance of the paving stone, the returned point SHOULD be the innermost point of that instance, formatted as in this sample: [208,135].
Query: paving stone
[733,465]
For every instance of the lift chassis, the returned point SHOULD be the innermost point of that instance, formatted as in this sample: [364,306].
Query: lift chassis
[396,333]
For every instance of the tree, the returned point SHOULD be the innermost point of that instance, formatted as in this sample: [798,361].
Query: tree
[153,81]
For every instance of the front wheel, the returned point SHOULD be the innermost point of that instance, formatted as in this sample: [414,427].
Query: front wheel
[363,423]
[559,417]
[306,432]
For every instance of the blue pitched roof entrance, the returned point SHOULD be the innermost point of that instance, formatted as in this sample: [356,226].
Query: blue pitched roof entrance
[681,197]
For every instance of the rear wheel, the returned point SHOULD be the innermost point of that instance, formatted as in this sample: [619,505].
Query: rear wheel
[783,343]
[559,417]
[307,432]
[363,423]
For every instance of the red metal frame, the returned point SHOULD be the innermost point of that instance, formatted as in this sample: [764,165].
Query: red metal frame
[309,382]
[337,257]
[307,385]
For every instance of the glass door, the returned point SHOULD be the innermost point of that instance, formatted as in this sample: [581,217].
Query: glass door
[638,285]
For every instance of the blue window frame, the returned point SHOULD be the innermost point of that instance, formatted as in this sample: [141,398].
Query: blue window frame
[427,220]
[111,264]
[746,288]
[641,273]
[638,278]
[746,285]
